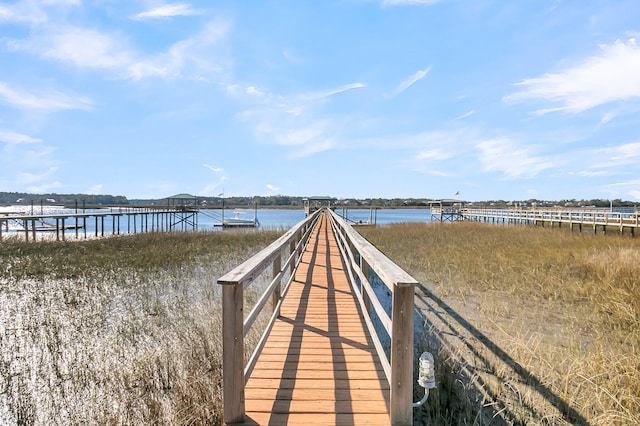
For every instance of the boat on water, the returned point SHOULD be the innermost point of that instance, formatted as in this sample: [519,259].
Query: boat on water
[239,219]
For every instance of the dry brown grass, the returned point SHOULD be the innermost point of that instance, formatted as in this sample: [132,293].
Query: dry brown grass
[549,320]
[119,331]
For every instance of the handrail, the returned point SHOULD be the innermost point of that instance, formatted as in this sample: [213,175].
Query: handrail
[360,257]
[235,326]
[594,217]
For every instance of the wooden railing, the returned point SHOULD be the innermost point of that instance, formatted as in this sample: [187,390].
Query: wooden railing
[592,217]
[361,259]
[235,326]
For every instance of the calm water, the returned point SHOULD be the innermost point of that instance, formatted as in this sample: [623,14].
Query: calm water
[208,219]
[274,218]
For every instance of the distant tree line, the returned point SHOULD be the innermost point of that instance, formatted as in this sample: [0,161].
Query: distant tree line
[21,198]
[282,201]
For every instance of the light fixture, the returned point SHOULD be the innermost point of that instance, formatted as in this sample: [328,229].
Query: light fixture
[426,376]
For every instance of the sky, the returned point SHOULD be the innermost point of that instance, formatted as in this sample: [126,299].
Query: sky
[469,99]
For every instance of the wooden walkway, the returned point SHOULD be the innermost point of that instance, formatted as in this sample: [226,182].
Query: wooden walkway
[319,365]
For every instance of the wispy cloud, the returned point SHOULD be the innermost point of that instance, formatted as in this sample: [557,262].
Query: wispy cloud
[272,188]
[335,91]
[168,11]
[628,188]
[222,178]
[32,12]
[434,155]
[615,156]
[33,169]
[214,169]
[28,12]
[48,101]
[92,49]
[513,160]
[465,115]
[17,138]
[611,76]
[80,47]
[417,76]
[294,121]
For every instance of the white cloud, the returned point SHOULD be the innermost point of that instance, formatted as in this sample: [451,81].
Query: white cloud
[92,49]
[591,173]
[292,121]
[17,138]
[625,151]
[465,115]
[23,11]
[338,90]
[211,188]
[419,75]
[84,48]
[515,162]
[272,188]
[433,155]
[607,117]
[30,11]
[49,102]
[611,76]
[214,169]
[167,11]
[629,188]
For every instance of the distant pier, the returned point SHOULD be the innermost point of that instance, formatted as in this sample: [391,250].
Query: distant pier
[594,219]
[129,220]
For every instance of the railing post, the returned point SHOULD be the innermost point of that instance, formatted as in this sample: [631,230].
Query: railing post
[233,353]
[275,297]
[366,271]
[292,247]
[401,410]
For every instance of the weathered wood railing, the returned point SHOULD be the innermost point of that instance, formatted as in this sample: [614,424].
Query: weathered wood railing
[361,259]
[235,325]
[579,217]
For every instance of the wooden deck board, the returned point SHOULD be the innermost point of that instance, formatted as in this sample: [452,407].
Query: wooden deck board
[318,365]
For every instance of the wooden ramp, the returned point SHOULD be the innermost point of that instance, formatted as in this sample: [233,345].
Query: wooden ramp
[318,365]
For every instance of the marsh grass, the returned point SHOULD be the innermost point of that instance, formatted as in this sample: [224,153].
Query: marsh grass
[122,330]
[554,318]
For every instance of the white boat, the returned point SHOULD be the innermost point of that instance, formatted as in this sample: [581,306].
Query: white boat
[239,219]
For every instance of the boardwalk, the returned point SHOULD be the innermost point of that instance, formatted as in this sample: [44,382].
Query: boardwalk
[318,365]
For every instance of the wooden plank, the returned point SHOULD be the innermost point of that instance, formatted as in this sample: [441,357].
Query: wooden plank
[319,406]
[335,366]
[314,384]
[337,419]
[296,373]
[318,394]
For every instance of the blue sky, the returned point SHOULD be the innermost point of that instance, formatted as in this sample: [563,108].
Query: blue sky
[352,98]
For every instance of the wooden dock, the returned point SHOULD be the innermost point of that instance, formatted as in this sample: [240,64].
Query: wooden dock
[594,218]
[320,359]
[318,365]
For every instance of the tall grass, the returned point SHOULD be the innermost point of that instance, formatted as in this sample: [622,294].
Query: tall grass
[122,330]
[126,330]
[543,324]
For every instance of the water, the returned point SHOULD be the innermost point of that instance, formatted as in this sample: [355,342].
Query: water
[209,220]
[274,218]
